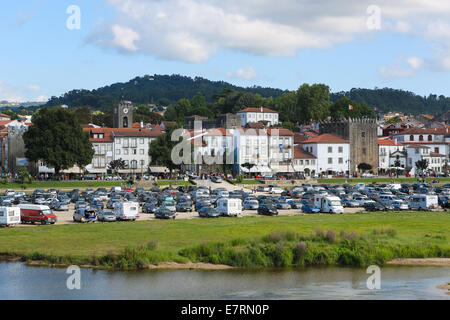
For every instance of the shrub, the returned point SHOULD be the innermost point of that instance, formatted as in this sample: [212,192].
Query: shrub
[331,236]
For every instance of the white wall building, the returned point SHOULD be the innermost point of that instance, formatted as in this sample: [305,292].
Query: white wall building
[250,115]
[332,153]
[388,152]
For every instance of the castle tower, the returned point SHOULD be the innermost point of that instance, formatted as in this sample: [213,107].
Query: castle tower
[363,139]
[123,115]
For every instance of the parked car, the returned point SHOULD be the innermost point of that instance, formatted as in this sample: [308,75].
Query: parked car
[267,210]
[149,207]
[106,216]
[85,215]
[282,204]
[164,214]
[400,205]
[60,206]
[208,212]
[184,207]
[309,208]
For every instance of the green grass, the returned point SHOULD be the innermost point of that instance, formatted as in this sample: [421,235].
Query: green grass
[173,183]
[245,181]
[377,180]
[60,184]
[128,240]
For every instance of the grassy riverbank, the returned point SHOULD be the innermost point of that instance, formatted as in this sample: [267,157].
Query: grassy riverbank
[60,184]
[350,239]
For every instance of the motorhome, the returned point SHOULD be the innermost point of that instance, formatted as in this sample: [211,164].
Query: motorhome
[9,216]
[126,210]
[423,201]
[229,206]
[33,213]
[328,204]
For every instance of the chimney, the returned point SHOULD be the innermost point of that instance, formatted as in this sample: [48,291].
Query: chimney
[261,109]
[142,124]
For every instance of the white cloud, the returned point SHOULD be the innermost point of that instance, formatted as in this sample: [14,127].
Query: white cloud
[9,93]
[41,98]
[415,62]
[246,73]
[34,87]
[193,30]
[124,37]
[395,71]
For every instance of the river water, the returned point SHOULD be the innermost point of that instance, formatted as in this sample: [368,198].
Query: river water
[18,281]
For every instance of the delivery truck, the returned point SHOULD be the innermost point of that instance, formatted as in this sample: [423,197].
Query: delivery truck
[9,216]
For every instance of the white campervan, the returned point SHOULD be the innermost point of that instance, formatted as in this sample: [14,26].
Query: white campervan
[423,201]
[229,206]
[9,216]
[328,204]
[126,210]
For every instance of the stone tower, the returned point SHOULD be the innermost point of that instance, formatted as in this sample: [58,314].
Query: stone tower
[123,115]
[363,139]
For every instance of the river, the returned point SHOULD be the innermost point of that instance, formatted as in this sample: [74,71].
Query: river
[18,281]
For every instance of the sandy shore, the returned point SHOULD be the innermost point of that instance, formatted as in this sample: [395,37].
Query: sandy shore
[190,265]
[442,262]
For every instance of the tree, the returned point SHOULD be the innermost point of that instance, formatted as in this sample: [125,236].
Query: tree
[57,138]
[397,164]
[83,115]
[421,165]
[161,149]
[117,165]
[364,167]
[340,109]
[248,166]
[23,174]
[313,103]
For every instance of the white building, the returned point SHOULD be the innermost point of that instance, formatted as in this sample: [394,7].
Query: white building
[250,115]
[417,152]
[304,161]
[281,150]
[251,146]
[332,153]
[389,151]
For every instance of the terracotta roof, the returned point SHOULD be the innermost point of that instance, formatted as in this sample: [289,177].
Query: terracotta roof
[326,138]
[264,110]
[5,122]
[427,116]
[109,133]
[255,125]
[311,134]
[418,146]
[298,137]
[5,115]
[435,154]
[279,132]
[299,153]
[388,142]
[136,125]
[424,131]
[218,132]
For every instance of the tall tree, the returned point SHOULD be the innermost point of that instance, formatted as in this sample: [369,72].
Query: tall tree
[161,149]
[57,138]
[347,108]
[313,102]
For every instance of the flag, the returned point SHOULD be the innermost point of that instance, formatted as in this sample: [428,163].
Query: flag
[350,107]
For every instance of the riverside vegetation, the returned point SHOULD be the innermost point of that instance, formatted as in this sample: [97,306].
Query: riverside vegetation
[357,239]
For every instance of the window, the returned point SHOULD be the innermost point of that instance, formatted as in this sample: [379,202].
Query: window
[125,151]
[141,151]
[330,149]
[141,141]
[125,143]
[417,150]
[118,151]
[341,149]
[133,151]
[95,136]
[301,162]
[411,138]
[363,134]
[436,149]
[364,151]
[118,140]
[430,138]
[330,160]
[127,163]
[421,138]
[306,162]
[313,162]
[109,147]
[133,142]
[142,163]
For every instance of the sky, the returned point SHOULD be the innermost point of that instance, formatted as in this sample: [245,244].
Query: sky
[50,47]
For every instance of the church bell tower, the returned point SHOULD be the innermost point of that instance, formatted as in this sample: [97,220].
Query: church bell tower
[123,115]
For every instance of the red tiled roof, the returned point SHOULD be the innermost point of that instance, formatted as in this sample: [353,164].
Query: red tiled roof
[388,142]
[218,132]
[427,116]
[311,134]
[279,132]
[424,131]
[255,125]
[299,153]
[264,110]
[326,138]
[417,146]
[298,137]
[435,154]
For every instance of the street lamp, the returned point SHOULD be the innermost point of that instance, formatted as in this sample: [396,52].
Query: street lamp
[348,175]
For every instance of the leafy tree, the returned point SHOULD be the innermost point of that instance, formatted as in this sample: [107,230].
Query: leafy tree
[23,174]
[364,166]
[421,165]
[248,166]
[340,109]
[397,165]
[312,102]
[161,149]
[83,115]
[57,138]
[198,101]
[117,165]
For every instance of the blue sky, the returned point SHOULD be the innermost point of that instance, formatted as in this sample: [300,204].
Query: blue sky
[283,47]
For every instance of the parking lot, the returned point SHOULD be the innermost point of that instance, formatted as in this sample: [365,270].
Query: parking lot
[311,199]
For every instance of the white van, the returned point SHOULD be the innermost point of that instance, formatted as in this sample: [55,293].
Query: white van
[387,198]
[229,206]
[9,216]
[328,204]
[116,189]
[423,201]
[126,210]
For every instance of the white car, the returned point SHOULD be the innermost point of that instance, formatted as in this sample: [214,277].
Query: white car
[275,190]
[250,205]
